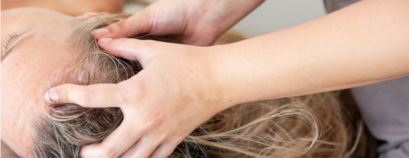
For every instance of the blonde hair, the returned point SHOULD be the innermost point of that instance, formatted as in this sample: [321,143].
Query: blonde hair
[315,125]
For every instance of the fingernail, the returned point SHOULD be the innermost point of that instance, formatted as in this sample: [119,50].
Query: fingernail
[51,96]
[105,40]
[101,32]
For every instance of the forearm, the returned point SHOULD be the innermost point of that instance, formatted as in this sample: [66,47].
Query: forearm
[362,44]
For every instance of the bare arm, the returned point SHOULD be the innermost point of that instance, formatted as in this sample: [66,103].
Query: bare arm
[365,43]
[181,86]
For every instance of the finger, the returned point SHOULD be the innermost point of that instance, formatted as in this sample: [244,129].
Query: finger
[98,95]
[144,147]
[116,143]
[164,150]
[137,24]
[131,49]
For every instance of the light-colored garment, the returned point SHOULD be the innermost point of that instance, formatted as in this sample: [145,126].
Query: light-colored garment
[385,110]
[384,106]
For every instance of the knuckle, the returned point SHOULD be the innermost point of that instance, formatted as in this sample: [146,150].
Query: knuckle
[128,95]
[67,91]
[128,99]
[164,134]
[154,120]
[150,43]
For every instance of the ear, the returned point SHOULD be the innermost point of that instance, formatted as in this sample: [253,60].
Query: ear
[91,14]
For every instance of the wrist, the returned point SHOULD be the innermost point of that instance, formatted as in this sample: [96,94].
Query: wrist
[227,94]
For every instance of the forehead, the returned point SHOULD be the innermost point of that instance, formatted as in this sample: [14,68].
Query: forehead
[48,29]
[34,18]
[44,50]
[29,14]
[27,68]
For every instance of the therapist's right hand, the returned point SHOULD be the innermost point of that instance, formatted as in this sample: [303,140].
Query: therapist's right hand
[179,88]
[193,22]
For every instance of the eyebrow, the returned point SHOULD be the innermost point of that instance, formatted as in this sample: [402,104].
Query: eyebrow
[20,40]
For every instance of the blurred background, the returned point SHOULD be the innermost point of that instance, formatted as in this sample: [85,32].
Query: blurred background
[272,15]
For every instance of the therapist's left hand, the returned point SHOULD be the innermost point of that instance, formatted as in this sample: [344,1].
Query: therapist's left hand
[176,92]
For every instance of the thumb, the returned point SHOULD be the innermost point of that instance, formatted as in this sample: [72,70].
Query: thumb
[131,49]
[137,24]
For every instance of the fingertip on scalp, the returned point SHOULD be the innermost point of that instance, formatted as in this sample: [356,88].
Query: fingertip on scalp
[59,94]
[99,33]
[51,96]
[56,94]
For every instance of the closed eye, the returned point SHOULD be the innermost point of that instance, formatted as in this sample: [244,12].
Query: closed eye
[14,40]
[5,46]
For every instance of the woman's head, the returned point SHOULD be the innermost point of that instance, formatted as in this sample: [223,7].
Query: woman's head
[34,46]
[58,49]
[44,48]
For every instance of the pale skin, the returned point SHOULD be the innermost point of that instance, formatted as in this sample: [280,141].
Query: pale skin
[17,113]
[28,62]
[361,44]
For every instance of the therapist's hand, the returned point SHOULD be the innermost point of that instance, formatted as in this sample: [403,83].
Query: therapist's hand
[176,91]
[194,22]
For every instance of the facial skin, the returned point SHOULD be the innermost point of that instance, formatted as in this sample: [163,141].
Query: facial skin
[26,69]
